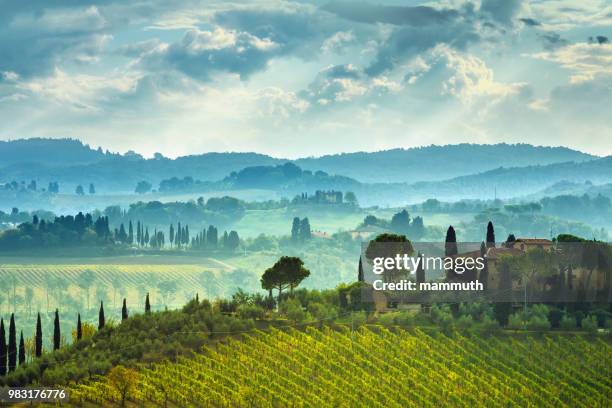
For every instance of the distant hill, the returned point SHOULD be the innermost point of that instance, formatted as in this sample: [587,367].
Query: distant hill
[518,181]
[48,152]
[75,162]
[435,163]
[567,187]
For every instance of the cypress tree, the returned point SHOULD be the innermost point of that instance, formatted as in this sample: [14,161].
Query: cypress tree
[37,338]
[451,242]
[147,304]
[22,359]
[295,229]
[130,233]
[305,232]
[360,277]
[490,235]
[101,319]
[79,329]
[57,336]
[12,345]
[2,349]
[124,311]
[420,272]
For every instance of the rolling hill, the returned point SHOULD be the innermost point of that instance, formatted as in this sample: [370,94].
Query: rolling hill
[70,162]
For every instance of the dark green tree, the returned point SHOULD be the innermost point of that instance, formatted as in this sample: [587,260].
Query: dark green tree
[79,328]
[130,233]
[22,356]
[305,232]
[295,229]
[360,277]
[233,241]
[38,338]
[212,236]
[287,272]
[12,345]
[400,222]
[490,235]
[147,304]
[3,351]
[171,236]
[420,272]
[124,311]
[92,188]
[450,247]
[57,336]
[101,319]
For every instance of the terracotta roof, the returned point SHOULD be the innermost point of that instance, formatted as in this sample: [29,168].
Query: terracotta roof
[494,253]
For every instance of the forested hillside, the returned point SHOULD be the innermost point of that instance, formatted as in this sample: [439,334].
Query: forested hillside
[71,163]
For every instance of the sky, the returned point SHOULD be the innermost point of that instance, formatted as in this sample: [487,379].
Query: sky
[297,78]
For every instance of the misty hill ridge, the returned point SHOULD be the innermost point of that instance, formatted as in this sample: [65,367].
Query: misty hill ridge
[72,162]
[514,181]
[433,163]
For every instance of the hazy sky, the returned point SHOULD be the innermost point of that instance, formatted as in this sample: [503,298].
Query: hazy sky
[306,78]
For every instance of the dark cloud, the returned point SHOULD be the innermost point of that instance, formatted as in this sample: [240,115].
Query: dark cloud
[397,15]
[407,42]
[201,53]
[342,71]
[530,22]
[551,40]
[599,39]
[33,41]
[300,30]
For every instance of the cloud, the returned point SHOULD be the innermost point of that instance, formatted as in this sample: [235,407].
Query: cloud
[33,42]
[552,41]
[530,22]
[397,15]
[502,11]
[337,42]
[346,83]
[78,91]
[468,78]
[585,61]
[407,42]
[199,54]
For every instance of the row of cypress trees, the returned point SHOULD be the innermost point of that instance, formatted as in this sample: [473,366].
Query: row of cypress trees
[10,355]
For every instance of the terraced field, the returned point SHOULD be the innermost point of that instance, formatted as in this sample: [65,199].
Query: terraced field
[375,367]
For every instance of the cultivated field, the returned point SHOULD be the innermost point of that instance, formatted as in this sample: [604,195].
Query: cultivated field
[376,367]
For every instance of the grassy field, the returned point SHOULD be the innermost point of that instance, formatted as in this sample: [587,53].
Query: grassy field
[375,367]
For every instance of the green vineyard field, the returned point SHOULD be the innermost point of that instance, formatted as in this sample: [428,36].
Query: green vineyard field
[375,367]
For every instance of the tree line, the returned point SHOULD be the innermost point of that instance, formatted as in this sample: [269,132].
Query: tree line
[83,230]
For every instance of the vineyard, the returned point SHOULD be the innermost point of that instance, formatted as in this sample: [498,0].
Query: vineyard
[374,367]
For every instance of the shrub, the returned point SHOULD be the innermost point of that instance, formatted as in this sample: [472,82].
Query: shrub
[538,323]
[294,310]
[516,322]
[465,322]
[567,323]
[387,319]
[489,325]
[322,311]
[589,324]
[247,311]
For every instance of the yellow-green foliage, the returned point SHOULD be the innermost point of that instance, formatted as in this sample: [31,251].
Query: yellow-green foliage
[376,368]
